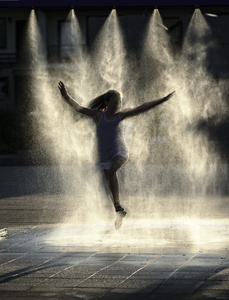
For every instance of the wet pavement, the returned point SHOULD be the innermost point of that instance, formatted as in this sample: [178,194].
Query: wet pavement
[34,266]
[41,258]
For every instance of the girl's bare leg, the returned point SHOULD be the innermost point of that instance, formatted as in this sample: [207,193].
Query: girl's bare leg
[112,178]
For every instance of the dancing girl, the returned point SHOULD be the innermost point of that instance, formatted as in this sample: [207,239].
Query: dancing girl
[106,112]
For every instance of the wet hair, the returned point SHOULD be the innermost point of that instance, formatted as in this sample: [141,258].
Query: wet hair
[99,102]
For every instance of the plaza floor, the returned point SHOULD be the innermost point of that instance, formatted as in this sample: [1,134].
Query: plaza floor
[170,258]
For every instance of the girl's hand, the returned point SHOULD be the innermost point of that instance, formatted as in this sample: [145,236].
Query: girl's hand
[62,89]
[170,95]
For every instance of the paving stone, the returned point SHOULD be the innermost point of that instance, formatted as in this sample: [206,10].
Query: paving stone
[211,294]
[86,293]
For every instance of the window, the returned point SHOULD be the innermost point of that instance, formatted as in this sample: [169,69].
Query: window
[66,40]
[2,33]
[174,26]
[4,88]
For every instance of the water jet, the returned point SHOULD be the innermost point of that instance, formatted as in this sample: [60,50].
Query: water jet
[172,172]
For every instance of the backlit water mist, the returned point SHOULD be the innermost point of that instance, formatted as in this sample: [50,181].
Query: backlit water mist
[172,170]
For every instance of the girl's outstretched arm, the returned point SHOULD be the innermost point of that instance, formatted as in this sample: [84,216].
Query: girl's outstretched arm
[144,107]
[95,114]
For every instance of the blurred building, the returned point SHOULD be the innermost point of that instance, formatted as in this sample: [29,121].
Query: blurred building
[133,15]
[52,17]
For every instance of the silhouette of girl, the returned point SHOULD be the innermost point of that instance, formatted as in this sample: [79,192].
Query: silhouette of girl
[106,113]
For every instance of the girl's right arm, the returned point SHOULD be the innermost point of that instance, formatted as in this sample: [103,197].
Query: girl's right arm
[95,114]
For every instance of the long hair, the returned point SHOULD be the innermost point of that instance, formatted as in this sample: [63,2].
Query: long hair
[99,102]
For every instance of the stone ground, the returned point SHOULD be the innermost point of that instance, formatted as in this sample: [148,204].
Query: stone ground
[41,258]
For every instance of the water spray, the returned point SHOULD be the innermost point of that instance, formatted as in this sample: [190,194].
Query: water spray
[169,158]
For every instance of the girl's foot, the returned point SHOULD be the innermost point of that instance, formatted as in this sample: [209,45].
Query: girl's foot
[119,216]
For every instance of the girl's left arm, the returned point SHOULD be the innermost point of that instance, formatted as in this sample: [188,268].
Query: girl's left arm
[144,107]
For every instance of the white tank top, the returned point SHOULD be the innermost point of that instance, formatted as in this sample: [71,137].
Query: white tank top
[110,137]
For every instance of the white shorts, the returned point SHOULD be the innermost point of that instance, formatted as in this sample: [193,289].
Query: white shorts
[107,164]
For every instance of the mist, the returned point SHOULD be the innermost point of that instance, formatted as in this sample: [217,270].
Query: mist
[173,169]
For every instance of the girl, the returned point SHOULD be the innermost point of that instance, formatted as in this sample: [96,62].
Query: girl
[106,113]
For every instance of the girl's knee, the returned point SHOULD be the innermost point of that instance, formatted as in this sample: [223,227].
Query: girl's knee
[117,163]
[111,172]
